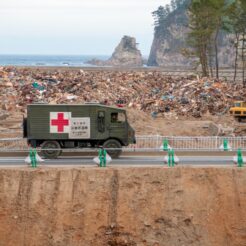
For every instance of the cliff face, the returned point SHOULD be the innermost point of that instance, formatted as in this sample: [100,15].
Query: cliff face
[166,51]
[125,54]
[123,206]
[170,40]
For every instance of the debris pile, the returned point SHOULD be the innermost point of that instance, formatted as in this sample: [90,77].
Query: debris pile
[149,91]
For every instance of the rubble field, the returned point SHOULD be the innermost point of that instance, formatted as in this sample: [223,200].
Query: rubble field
[169,106]
[153,206]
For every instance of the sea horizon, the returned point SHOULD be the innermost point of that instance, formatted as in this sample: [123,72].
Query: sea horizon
[50,60]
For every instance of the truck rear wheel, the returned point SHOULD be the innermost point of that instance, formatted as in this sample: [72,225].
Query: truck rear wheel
[47,152]
[113,144]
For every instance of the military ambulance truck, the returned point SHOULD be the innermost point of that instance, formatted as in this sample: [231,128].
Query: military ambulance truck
[57,127]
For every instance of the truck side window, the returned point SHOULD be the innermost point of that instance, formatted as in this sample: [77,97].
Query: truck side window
[121,117]
[118,118]
[114,117]
[101,121]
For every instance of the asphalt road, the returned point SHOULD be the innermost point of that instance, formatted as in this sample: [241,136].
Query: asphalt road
[125,160]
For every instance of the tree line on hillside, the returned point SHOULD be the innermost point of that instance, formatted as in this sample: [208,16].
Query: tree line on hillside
[206,19]
[164,16]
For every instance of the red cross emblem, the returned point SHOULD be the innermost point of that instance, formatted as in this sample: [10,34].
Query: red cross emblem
[59,122]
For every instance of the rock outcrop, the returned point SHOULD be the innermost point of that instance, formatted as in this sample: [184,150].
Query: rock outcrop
[125,54]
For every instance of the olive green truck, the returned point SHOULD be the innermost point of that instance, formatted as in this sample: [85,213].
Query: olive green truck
[57,127]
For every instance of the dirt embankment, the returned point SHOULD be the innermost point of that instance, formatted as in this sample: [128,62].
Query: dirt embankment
[123,207]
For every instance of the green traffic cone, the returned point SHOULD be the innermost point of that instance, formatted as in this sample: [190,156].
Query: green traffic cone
[173,161]
[169,158]
[104,159]
[100,156]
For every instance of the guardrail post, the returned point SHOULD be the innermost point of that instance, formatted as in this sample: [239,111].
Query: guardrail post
[102,157]
[172,155]
[239,158]
[33,157]
[165,145]
[170,160]
[225,145]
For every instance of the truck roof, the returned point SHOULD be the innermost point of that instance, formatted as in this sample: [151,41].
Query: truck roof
[77,105]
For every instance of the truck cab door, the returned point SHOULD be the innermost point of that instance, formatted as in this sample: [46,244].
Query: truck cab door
[101,121]
[101,125]
[118,126]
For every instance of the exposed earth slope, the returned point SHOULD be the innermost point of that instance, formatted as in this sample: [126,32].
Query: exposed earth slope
[123,206]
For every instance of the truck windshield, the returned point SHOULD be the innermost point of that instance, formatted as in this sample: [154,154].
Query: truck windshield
[117,117]
[237,104]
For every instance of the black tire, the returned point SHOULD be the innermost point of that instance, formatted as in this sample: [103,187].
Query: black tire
[50,154]
[112,143]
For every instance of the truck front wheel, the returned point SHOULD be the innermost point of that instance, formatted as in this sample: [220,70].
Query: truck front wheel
[114,147]
[47,149]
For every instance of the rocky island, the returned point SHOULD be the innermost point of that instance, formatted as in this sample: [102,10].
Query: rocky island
[125,54]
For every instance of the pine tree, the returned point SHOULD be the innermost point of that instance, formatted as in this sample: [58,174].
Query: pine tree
[218,15]
[162,15]
[207,18]
[243,39]
[201,31]
[237,26]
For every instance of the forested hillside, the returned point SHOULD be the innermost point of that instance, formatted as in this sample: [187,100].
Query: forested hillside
[209,33]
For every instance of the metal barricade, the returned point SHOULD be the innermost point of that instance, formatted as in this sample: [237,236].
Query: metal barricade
[151,142]
[13,144]
[210,143]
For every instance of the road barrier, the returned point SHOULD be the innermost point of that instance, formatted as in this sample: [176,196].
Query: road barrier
[209,143]
[13,144]
[150,143]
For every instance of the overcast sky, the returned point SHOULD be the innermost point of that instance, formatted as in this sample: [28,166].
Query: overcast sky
[74,26]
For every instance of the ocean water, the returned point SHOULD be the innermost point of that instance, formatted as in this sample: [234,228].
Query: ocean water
[49,60]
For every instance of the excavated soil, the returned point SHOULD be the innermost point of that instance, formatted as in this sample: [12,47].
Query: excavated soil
[144,206]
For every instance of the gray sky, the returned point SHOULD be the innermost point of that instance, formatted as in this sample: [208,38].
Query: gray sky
[74,26]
